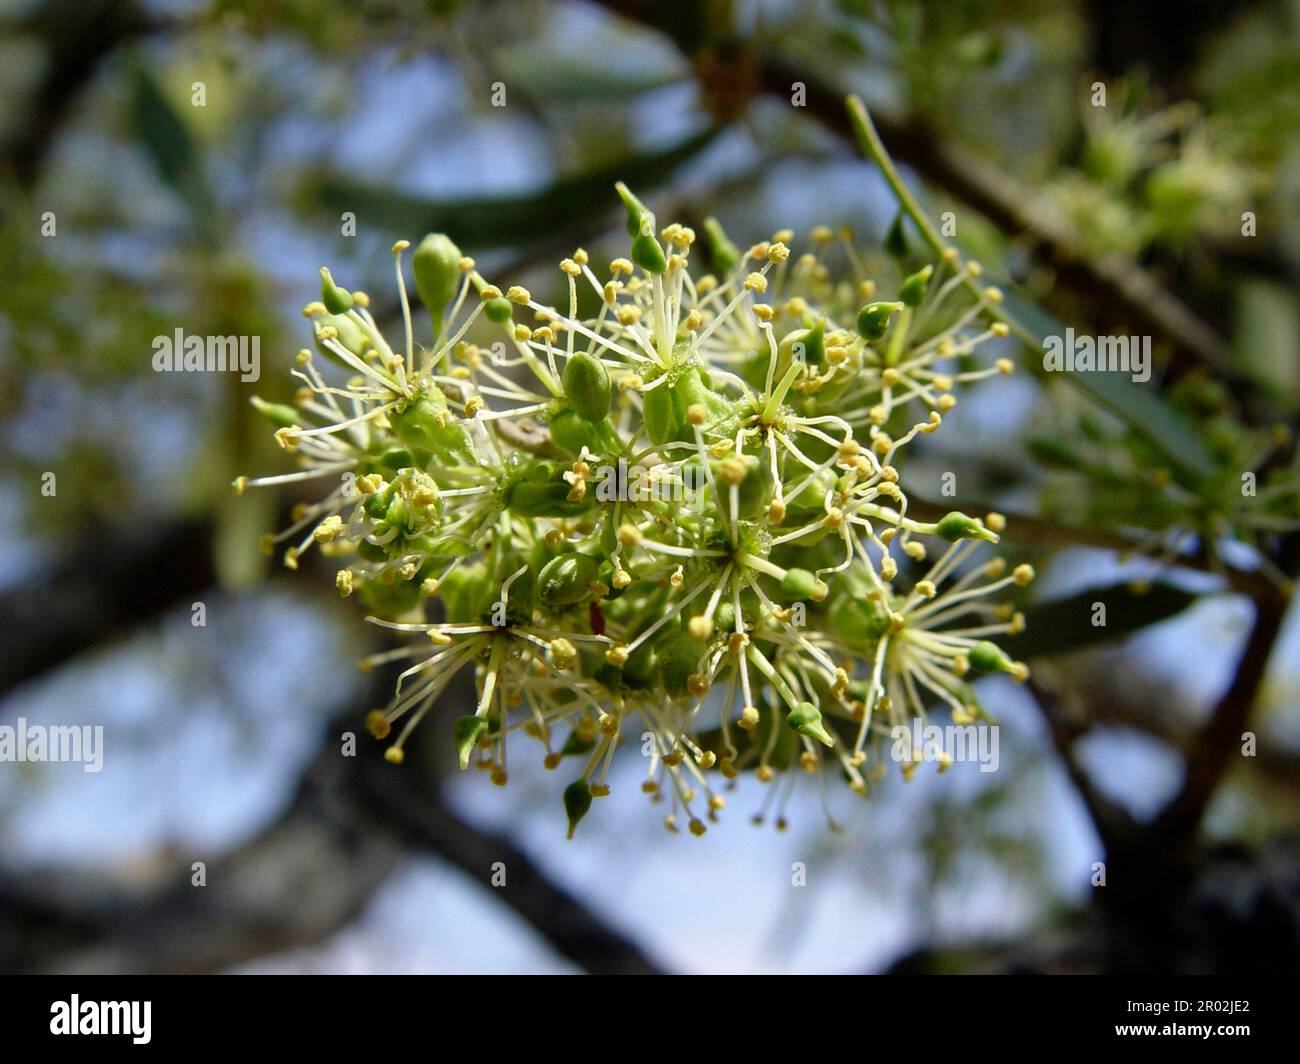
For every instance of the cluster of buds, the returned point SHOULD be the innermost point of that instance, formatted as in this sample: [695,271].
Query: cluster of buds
[667,511]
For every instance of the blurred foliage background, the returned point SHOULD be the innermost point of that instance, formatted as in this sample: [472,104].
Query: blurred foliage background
[190,165]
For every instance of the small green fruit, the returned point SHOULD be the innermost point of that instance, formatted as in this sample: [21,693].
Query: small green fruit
[806,719]
[337,300]
[873,319]
[955,525]
[723,253]
[988,657]
[913,289]
[437,273]
[577,800]
[586,384]
[469,730]
[567,578]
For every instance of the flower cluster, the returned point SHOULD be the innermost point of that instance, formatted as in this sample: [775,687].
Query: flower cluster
[668,510]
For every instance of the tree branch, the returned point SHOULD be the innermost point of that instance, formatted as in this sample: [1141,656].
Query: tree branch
[1221,737]
[294,884]
[109,582]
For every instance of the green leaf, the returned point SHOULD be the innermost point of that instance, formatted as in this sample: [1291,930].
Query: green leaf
[1059,626]
[510,220]
[167,140]
[575,78]
[1268,336]
[1137,405]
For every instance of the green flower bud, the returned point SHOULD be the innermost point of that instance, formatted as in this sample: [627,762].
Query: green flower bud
[988,657]
[722,252]
[571,433]
[678,655]
[635,208]
[427,423]
[810,343]
[437,273]
[873,319]
[954,526]
[586,384]
[469,730]
[694,388]
[756,490]
[337,300]
[538,489]
[278,414]
[577,800]
[801,584]
[725,617]
[862,620]
[913,289]
[499,310]
[648,253]
[567,578]
[662,418]
[806,719]
[395,458]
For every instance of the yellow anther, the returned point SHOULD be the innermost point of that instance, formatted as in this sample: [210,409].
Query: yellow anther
[700,628]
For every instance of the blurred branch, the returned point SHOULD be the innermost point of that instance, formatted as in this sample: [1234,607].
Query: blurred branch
[106,584]
[298,881]
[295,883]
[566,923]
[1221,737]
[77,35]
[1113,823]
